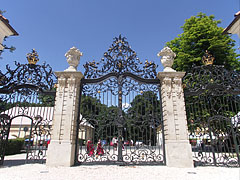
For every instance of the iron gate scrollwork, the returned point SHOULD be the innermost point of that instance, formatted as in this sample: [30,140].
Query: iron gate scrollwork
[120,110]
[213,112]
[4,132]
[27,97]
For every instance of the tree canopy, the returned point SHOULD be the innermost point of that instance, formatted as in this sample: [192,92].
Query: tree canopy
[201,33]
[141,119]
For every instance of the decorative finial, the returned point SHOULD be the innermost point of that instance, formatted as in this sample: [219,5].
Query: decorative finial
[167,59]
[32,57]
[207,58]
[73,58]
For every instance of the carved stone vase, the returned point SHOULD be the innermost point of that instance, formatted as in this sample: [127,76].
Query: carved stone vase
[167,59]
[73,58]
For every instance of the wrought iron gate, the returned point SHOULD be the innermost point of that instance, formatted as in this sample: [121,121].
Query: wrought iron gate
[213,112]
[27,100]
[120,117]
[4,132]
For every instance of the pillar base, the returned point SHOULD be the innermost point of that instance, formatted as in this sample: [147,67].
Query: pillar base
[60,153]
[179,153]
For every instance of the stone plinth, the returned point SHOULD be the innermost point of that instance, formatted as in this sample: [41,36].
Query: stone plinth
[61,150]
[178,148]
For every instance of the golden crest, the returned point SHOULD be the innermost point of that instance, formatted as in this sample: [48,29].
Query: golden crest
[32,57]
[207,58]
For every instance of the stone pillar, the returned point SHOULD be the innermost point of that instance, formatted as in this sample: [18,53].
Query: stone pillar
[178,148]
[61,150]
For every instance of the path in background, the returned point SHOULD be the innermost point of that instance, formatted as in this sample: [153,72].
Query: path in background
[14,169]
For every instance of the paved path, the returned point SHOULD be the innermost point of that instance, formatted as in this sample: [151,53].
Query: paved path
[14,169]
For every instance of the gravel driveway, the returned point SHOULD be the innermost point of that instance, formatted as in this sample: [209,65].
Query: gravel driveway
[14,168]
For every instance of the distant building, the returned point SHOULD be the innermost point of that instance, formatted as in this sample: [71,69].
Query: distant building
[234,26]
[22,118]
[5,30]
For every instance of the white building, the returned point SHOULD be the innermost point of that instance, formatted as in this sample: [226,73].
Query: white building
[234,26]
[22,118]
[5,30]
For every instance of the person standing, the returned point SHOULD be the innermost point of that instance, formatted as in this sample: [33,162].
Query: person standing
[90,148]
[114,141]
[131,142]
[99,148]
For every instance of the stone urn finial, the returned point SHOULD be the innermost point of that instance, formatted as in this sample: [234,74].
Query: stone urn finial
[167,59]
[73,58]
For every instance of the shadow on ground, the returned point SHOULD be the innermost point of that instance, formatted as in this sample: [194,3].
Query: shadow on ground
[18,162]
[14,162]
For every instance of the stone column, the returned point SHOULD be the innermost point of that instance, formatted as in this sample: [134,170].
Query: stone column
[178,148]
[61,150]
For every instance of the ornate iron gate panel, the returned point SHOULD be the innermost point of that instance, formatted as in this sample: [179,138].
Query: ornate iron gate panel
[213,112]
[120,111]
[27,100]
[4,132]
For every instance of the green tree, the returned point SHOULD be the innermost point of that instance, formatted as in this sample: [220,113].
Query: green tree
[143,118]
[101,117]
[140,121]
[201,33]
[46,100]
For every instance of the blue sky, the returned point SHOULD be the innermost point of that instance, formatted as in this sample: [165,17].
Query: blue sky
[52,27]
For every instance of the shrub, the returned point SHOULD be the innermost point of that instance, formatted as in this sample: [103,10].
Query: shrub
[14,146]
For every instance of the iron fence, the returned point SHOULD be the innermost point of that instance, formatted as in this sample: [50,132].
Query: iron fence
[213,114]
[26,107]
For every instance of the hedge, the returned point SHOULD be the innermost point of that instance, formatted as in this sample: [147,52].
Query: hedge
[14,146]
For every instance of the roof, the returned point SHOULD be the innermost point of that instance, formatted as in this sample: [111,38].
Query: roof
[22,115]
[6,22]
[228,30]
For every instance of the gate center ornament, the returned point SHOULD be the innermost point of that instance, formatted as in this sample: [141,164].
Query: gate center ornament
[73,58]
[120,58]
[32,57]
[167,59]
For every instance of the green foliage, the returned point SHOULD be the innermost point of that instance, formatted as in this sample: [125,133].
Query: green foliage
[145,104]
[141,119]
[97,114]
[91,106]
[201,33]
[14,146]
[5,105]
[41,101]
[46,100]
[202,109]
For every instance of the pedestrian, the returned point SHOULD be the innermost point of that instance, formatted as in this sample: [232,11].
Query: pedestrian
[114,141]
[99,148]
[90,148]
[131,142]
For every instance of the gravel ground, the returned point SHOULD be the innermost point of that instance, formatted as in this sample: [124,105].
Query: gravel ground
[14,168]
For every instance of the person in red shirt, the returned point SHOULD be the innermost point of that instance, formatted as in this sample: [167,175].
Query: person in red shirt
[99,148]
[90,148]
